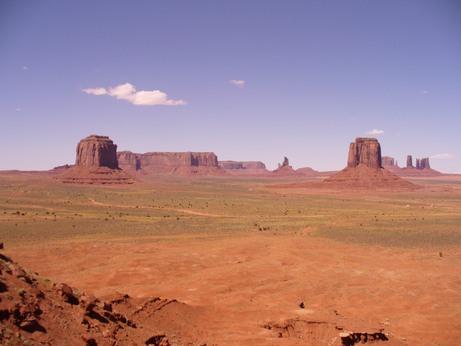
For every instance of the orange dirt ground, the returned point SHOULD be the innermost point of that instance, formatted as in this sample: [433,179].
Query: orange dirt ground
[247,290]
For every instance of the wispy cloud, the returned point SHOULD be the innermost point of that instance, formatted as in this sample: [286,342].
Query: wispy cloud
[375,132]
[18,109]
[129,93]
[444,156]
[25,68]
[424,92]
[238,82]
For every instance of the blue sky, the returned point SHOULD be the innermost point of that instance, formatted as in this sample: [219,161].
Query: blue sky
[309,76]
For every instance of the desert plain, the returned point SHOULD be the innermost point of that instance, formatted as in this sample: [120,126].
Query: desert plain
[253,260]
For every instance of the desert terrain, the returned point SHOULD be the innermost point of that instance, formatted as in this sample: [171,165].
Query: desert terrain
[250,260]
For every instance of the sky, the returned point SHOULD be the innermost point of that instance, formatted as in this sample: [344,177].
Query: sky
[248,80]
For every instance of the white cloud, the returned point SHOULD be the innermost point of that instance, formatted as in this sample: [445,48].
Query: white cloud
[129,93]
[238,82]
[375,132]
[424,92]
[444,156]
[25,68]
[95,91]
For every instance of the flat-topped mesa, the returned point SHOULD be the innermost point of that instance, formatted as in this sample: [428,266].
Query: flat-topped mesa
[365,151]
[250,165]
[170,162]
[96,151]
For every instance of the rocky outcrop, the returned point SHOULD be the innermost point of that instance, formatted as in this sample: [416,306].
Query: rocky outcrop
[284,169]
[96,151]
[242,165]
[365,151]
[36,311]
[364,169]
[96,163]
[170,162]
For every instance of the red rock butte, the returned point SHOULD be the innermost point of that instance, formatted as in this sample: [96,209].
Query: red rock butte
[97,151]
[364,169]
[96,163]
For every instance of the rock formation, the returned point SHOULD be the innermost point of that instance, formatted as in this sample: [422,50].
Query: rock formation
[365,151]
[96,163]
[255,168]
[389,162]
[242,165]
[422,168]
[409,161]
[183,163]
[284,169]
[35,311]
[364,169]
[96,151]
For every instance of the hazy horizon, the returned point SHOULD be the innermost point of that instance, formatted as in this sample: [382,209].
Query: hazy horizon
[249,81]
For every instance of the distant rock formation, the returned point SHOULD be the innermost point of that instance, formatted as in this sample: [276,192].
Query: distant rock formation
[96,163]
[247,168]
[365,151]
[96,151]
[242,164]
[409,161]
[389,162]
[422,168]
[364,169]
[251,165]
[284,169]
[182,163]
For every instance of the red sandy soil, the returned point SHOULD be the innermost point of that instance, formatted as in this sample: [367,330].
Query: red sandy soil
[269,289]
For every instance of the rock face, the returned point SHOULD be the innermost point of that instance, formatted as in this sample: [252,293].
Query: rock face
[364,169]
[169,162]
[96,151]
[365,151]
[96,163]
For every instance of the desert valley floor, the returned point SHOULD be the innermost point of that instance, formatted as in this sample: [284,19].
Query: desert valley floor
[251,261]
